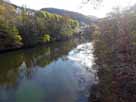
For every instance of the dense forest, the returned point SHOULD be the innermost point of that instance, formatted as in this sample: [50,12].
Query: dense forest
[114,42]
[22,27]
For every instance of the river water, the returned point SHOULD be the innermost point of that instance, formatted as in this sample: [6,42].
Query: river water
[58,72]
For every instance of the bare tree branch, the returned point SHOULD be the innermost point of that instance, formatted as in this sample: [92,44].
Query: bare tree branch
[94,3]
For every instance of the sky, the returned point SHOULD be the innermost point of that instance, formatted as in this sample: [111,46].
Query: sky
[76,5]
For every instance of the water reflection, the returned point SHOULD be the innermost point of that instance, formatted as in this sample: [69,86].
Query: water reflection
[44,74]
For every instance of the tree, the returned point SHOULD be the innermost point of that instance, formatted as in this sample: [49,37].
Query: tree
[29,27]
[9,35]
[115,52]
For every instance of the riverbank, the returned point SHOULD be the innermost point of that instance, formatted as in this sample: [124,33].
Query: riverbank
[32,46]
[82,38]
[23,27]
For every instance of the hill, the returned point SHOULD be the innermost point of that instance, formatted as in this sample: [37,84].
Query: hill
[77,16]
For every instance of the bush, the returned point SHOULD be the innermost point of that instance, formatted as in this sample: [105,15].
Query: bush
[46,38]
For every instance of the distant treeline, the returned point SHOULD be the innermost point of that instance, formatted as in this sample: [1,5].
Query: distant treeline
[83,20]
[20,27]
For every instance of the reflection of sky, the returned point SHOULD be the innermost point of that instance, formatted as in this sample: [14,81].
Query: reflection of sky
[75,5]
[60,81]
[64,80]
[83,54]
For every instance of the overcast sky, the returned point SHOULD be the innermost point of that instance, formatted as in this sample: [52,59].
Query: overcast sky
[75,5]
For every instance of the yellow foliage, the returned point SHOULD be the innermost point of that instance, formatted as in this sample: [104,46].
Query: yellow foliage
[46,38]
[2,9]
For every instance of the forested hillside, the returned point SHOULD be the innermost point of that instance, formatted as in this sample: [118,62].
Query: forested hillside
[77,16]
[22,27]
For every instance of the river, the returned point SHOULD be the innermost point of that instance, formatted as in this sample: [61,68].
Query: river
[58,72]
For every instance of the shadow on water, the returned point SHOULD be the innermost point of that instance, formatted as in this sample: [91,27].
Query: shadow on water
[43,74]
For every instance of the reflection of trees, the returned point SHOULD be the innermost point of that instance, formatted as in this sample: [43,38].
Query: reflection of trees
[42,56]
[39,56]
[9,64]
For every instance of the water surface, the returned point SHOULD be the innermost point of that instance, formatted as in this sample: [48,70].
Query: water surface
[60,72]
